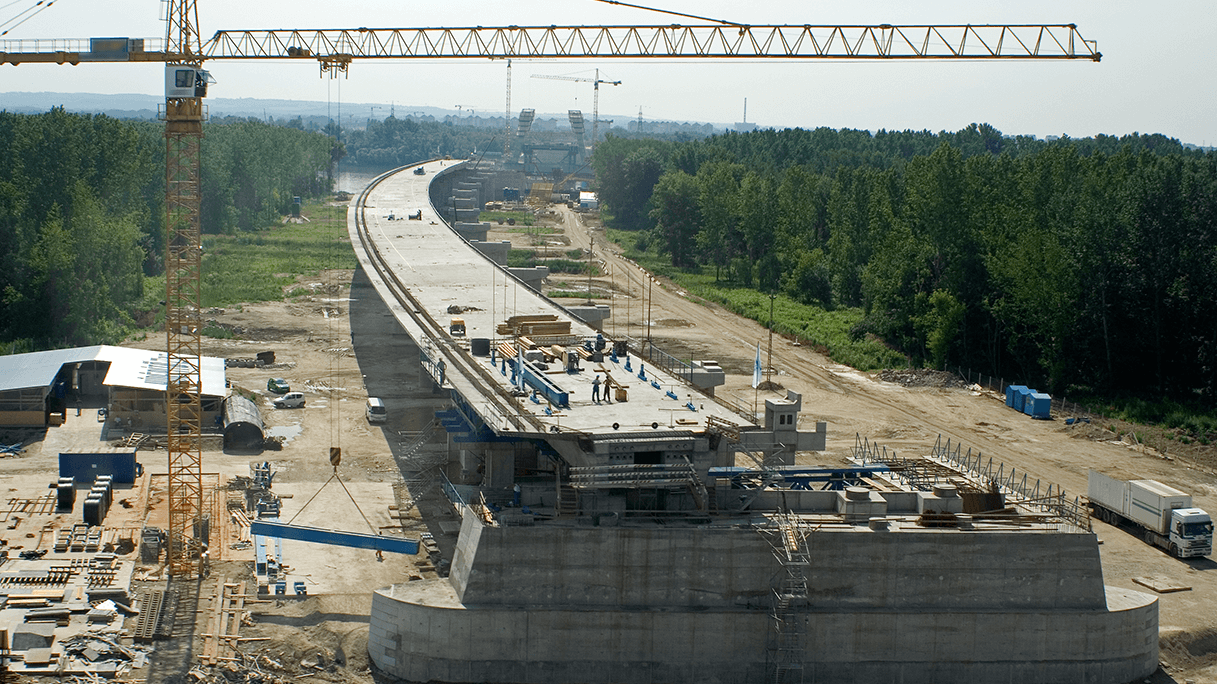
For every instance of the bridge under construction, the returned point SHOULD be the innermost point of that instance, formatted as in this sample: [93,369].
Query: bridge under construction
[618,524]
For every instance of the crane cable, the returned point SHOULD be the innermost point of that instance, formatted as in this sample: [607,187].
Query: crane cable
[678,14]
[335,458]
[41,7]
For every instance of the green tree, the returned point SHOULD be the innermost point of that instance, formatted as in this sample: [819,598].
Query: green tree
[675,215]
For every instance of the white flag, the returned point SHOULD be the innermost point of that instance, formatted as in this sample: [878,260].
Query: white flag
[756,367]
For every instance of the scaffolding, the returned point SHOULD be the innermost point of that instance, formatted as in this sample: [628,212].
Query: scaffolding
[789,538]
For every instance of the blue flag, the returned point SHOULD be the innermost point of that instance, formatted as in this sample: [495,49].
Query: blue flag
[756,367]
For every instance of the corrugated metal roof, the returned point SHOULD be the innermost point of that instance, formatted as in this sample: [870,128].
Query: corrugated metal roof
[140,368]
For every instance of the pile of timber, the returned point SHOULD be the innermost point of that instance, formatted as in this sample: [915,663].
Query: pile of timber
[536,324]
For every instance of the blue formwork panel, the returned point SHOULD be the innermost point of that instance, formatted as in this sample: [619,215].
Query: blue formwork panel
[1038,405]
[1011,392]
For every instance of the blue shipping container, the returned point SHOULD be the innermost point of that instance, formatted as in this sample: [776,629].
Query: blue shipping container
[86,467]
[1038,405]
[1011,392]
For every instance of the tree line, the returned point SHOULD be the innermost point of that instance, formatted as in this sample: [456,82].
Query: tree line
[82,213]
[394,142]
[1069,264]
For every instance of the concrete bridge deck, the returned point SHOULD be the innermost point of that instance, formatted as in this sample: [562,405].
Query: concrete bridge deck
[422,267]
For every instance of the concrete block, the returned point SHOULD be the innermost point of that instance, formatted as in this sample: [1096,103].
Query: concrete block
[33,635]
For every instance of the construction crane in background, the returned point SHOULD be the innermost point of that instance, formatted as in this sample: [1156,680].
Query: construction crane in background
[183,53]
[595,98]
[507,118]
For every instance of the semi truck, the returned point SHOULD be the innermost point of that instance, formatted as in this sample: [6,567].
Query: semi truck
[1164,515]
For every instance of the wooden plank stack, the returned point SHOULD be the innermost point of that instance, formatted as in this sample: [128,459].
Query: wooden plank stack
[535,324]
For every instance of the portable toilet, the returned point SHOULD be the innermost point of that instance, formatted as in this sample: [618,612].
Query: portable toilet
[1038,405]
[1011,392]
[1020,398]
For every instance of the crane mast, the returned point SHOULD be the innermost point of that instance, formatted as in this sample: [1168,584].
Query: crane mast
[507,118]
[595,99]
[183,115]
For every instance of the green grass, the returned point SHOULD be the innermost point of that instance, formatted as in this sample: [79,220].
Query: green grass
[576,294]
[527,258]
[521,217]
[1188,422]
[217,332]
[256,266]
[811,324]
[530,230]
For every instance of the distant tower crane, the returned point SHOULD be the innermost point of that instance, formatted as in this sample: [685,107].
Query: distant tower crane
[183,54]
[507,119]
[595,99]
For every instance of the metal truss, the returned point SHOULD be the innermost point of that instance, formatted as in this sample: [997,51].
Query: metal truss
[882,42]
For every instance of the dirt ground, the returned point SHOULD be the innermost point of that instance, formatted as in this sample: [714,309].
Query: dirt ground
[340,345]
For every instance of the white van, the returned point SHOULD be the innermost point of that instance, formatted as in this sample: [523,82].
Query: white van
[376,411]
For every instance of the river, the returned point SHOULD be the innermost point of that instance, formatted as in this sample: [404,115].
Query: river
[354,180]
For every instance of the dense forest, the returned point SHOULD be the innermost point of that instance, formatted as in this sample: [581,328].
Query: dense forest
[395,142]
[1084,265]
[82,212]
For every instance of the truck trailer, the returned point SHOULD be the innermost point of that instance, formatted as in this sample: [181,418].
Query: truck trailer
[1164,515]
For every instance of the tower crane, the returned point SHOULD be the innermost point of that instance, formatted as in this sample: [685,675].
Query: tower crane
[183,53]
[595,98]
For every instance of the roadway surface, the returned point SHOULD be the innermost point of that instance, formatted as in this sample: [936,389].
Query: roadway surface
[421,268]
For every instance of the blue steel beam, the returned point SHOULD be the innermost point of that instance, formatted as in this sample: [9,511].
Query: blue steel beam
[316,535]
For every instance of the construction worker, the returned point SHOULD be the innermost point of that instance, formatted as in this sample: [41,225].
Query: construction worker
[596,389]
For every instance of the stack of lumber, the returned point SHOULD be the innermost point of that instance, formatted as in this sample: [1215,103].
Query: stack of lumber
[536,324]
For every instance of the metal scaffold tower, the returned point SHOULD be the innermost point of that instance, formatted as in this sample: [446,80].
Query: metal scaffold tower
[791,548]
[183,118]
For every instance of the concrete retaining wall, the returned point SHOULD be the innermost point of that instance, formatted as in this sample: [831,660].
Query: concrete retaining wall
[419,632]
[852,568]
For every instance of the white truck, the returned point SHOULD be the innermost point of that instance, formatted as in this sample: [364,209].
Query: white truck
[1164,514]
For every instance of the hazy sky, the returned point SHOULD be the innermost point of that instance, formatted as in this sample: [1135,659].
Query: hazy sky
[1157,74]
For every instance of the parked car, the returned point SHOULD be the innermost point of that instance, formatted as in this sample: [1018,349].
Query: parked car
[290,400]
[376,411]
[278,386]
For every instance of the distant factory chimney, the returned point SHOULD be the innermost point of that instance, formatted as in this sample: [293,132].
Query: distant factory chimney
[744,126]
